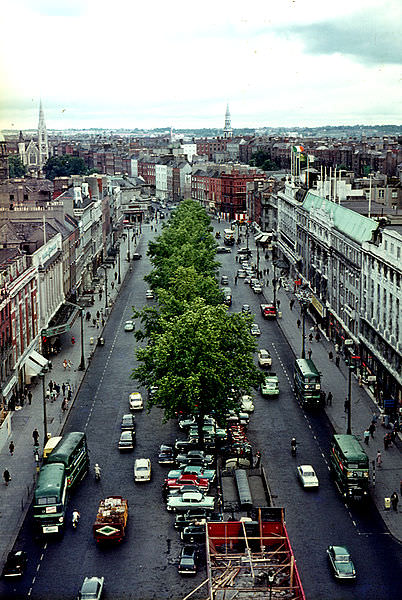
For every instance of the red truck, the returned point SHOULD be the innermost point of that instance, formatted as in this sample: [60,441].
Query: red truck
[111,520]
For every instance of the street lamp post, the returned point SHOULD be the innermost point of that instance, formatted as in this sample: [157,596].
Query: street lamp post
[118,262]
[303,311]
[128,247]
[42,376]
[82,362]
[349,427]
[105,269]
[274,281]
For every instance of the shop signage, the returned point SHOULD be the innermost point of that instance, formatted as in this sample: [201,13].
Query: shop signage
[318,306]
[371,379]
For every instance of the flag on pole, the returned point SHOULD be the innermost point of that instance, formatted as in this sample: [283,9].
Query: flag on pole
[297,149]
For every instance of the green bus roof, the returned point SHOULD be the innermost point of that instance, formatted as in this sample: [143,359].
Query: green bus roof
[65,447]
[350,447]
[307,366]
[50,481]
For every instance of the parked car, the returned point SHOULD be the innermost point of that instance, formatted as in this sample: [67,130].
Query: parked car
[194,457]
[136,256]
[129,326]
[257,289]
[247,404]
[127,441]
[254,329]
[190,500]
[188,560]
[200,484]
[307,476]
[194,533]
[15,564]
[127,422]
[223,250]
[225,280]
[166,455]
[142,469]
[91,588]
[341,563]
[241,274]
[264,358]
[182,520]
[208,474]
[136,402]
[149,295]
[270,386]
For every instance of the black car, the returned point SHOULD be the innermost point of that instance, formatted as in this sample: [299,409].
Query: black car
[194,457]
[127,423]
[16,564]
[166,455]
[245,251]
[188,561]
[136,256]
[189,517]
[183,446]
[194,533]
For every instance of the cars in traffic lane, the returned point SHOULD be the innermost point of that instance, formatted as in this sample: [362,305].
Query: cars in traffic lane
[341,563]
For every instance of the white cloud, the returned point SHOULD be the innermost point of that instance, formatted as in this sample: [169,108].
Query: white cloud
[153,64]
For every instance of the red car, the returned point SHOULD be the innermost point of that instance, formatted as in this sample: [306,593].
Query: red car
[188,479]
[268,311]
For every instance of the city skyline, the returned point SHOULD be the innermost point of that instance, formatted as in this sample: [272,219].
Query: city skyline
[299,64]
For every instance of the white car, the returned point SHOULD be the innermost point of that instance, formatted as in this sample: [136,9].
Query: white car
[307,476]
[257,289]
[254,329]
[129,326]
[264,358]
[142,469]
[136,402]
[247,404]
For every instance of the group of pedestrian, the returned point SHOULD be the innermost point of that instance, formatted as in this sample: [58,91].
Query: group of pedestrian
[67,364]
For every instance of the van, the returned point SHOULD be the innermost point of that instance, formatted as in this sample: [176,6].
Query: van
[50,445]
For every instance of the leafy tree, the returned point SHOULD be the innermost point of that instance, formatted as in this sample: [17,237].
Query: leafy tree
[63,166]
[16,168]
[200,363]
[263,160]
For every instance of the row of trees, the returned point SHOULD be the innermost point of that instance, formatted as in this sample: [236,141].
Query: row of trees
[198,356]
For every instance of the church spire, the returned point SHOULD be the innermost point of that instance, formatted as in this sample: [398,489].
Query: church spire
[227,132]
[43,146]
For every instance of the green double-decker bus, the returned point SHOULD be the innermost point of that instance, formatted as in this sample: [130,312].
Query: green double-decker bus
[350,467]
[50,499]
[72,452]
[307,381]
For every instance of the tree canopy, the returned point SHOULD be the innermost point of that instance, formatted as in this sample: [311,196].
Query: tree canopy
[65,165]
[263,160]
[16,168]
[199,357]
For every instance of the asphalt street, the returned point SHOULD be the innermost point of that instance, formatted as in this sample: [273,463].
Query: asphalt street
[144,566]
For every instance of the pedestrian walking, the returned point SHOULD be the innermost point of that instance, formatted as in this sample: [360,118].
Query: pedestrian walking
[29,395]
[65,364]
[69,364]
[103,322]
[330,355]
[35,435]
[337,360]
[115,275]
[394,501]
[93,322]
[291,304]
[379,459]
[88,316]
[64,404]
[298,323]
[235,279]
[310,352]
[11,447]
[366,436]
[278,303]
[258,459]
[346,405]
[47,394]
[336,347]
[100,294]
[69,394]
[97,323]
[329,399]
[317,337]
[51,386]
[112,285]
[374,418]
[53,395]
[63,387]
[268,272]
[372,429]
[310,337]
[97,314]
[6,476]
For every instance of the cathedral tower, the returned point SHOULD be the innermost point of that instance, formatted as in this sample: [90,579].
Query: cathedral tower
[43,146]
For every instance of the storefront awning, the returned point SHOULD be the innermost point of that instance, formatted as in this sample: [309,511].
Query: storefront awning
[35,363]
[62,321]
[9,386]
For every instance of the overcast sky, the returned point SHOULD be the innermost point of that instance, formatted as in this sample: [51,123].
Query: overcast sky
[154,63]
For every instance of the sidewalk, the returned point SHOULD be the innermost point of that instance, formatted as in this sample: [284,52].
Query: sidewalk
[16,497]
[387,478]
